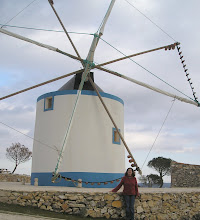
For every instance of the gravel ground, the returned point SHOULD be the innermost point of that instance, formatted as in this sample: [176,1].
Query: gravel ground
[16,186]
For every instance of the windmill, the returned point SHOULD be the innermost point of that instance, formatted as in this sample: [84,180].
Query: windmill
[85,77]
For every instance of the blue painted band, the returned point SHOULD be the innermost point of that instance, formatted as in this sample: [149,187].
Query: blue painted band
[44,179]
[84,92]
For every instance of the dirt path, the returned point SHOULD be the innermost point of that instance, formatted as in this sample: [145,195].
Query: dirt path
[16,186]
[18,216]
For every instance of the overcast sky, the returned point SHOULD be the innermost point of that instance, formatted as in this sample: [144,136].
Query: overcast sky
[23,65]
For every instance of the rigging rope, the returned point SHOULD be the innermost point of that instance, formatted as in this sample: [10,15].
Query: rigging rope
[28,136]
[186,72]
[17,14]
[146,69]
[87,182]
[173,101]
[166,47]
[151,20]
[194,102]
[41,29]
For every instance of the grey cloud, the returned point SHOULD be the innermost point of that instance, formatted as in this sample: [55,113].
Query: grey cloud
[3,133]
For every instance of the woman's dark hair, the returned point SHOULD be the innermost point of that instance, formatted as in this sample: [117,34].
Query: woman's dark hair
[133,173]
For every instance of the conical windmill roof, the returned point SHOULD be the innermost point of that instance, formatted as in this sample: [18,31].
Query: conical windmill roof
[74,83]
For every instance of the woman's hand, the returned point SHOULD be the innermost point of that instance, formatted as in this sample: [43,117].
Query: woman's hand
[138,196]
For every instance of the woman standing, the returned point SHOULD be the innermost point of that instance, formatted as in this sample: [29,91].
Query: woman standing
[130,191]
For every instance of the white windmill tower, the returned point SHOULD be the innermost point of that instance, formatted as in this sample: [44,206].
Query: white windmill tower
[93,140]
[83,124]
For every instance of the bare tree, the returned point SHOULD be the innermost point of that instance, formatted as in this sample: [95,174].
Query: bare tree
[18,153]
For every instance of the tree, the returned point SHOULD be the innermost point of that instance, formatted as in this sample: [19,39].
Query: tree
[18,153]
[153,179]
[162,166]
[150,179]
[143,179]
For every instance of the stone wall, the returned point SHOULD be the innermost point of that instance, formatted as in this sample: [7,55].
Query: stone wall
[185,175]
[150,206]
[14,178]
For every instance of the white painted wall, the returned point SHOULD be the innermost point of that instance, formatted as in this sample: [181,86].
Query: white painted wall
[90,147]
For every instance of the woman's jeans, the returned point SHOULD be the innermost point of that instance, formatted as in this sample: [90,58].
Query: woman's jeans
[129,200]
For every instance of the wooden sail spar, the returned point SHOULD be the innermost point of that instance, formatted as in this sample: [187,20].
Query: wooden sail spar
[151,87]
[77,53]
[37,43]
[116,127]
[190,101]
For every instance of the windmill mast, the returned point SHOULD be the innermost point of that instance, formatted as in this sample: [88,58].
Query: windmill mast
[88,67]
